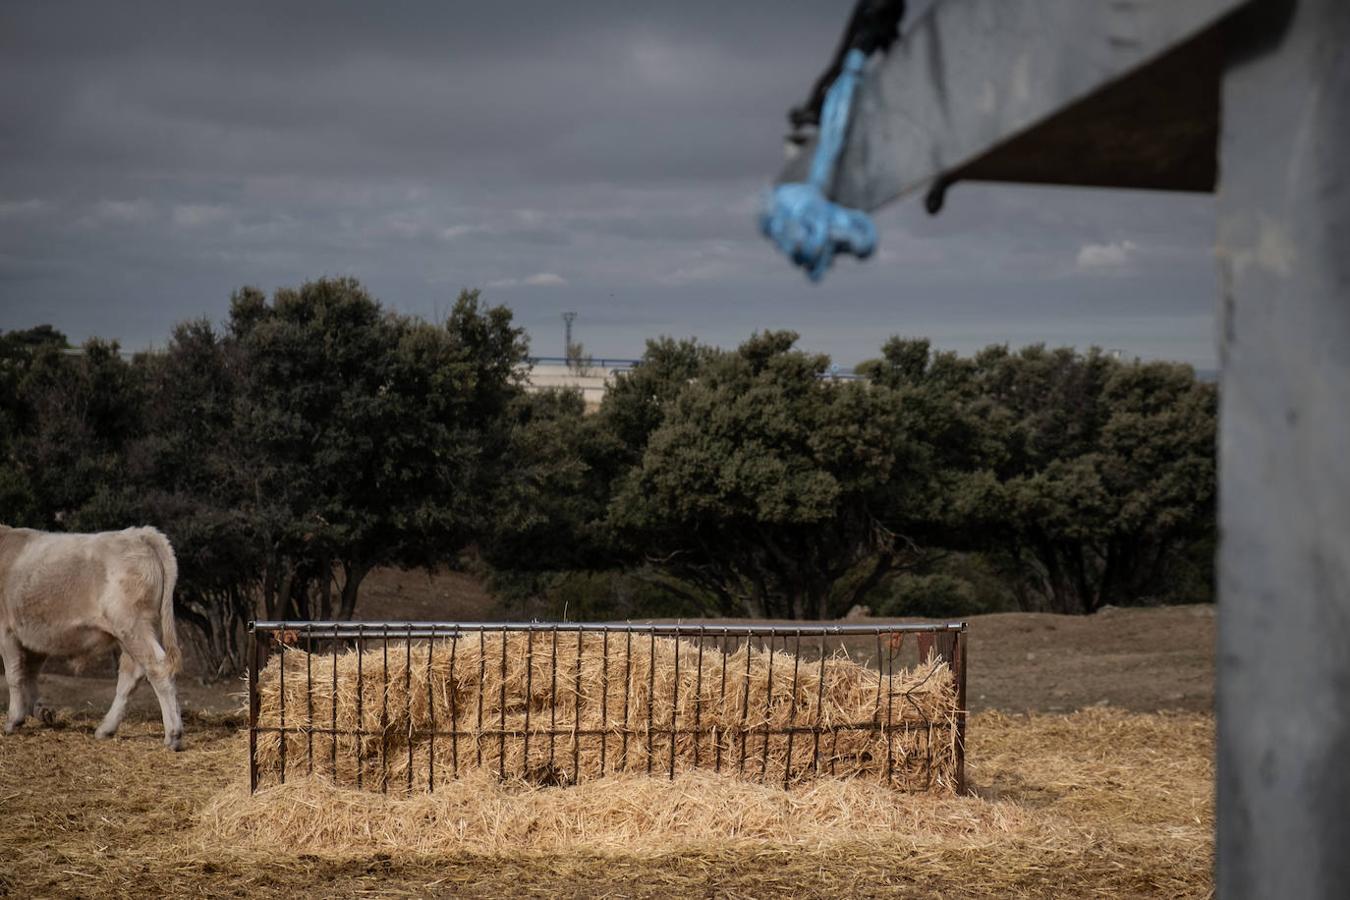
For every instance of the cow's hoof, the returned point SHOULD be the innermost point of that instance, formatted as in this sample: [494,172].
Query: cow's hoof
[11,727]
[46,715]
[174,742]
[103,734]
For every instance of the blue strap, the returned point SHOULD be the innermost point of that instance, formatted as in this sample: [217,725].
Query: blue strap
[798,217]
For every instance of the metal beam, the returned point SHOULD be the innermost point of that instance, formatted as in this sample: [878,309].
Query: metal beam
[1052,91]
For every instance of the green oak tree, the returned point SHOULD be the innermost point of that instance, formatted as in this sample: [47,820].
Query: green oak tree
[766,484]
[1090,480]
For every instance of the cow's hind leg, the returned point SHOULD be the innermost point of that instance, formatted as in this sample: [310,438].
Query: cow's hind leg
[32,668]
[12,654]
[146,651]
[129,674]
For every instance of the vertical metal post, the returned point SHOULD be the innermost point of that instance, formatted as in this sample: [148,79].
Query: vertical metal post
[482,682]
[792,710]
[820,710]
[876,712]
[333,736]
[745,709]
[959,664]
[309,698]
[254,701]
[431,714]
[627,677]
[281,701]
[360,705]
[893,647]
[576,717]
[407,692]
[553,704]
[721,703]
[674,705]
[529,701]
[501,702]
[651,694]
[604,698]
[454,707]
[384,708]
[1284,471]
[768,714]
[698,697]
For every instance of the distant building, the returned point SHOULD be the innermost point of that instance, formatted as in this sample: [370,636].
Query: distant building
[592,377]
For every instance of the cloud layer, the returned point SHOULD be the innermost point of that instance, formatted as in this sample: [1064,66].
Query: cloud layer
[602,157]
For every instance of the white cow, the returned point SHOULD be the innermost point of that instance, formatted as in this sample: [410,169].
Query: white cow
[74,595]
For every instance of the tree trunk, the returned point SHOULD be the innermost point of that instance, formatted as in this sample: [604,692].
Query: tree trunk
[281,608]
[885,563]
[355,573]
[326,590]
[754,604]
[1061,594]
[300,597]
[269,589]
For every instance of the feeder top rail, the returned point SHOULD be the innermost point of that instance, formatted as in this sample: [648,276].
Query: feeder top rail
[447,629]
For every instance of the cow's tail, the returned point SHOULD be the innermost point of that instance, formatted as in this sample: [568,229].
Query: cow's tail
[168,566]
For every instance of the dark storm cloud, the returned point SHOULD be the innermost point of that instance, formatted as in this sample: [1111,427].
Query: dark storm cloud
[545,90]
[602,157]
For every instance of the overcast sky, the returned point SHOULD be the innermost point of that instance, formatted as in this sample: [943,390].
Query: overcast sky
[601,157]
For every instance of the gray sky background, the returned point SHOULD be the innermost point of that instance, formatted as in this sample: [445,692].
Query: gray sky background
[602,157]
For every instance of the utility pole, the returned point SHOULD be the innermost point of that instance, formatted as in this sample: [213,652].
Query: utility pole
[568,319]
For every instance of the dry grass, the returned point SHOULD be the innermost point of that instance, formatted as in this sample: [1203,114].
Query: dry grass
[619,814]
[573,706]
[1098,802]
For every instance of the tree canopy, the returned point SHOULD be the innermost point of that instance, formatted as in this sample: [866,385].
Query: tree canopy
[783,492]
[316,434]
[763,482]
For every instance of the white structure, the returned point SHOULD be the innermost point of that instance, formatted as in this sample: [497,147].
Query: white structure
[592,379]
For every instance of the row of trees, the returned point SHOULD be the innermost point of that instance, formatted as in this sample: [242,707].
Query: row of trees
[317,435]
[776,490]
[313,438]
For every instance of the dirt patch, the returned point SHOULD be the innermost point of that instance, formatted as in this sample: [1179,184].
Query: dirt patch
[417,595]
[1143,660]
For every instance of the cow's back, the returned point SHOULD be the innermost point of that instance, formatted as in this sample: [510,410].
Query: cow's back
[13,541]
[66,594]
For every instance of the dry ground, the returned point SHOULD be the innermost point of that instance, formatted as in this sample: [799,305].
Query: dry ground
[1093,798]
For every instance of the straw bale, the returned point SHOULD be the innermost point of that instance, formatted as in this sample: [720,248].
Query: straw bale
[523,706]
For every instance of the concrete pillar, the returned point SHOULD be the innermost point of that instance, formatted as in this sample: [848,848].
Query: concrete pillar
[1284,455]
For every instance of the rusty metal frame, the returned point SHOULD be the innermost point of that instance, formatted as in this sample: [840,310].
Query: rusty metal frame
[947,640]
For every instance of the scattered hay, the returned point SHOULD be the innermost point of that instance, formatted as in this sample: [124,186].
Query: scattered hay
[1094,803]
[621,813]
[1050,789]
[562,708]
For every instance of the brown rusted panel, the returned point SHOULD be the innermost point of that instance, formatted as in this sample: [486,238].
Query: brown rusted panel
[925,639]
[946,646]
